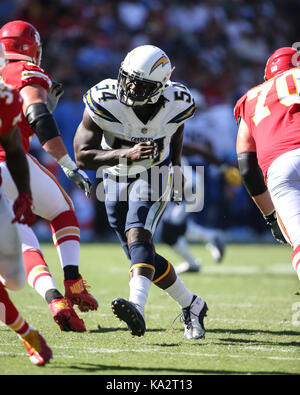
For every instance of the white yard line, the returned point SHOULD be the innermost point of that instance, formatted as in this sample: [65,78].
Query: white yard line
[91,350]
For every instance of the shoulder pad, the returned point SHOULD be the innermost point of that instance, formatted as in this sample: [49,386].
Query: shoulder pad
[238,108]
[98,100]
[33,74]
[183,103]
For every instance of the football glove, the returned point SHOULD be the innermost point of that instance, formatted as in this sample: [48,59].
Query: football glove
[54,94]
[75,174]
[23,210]
[80,178]
[271,221]
[231,175]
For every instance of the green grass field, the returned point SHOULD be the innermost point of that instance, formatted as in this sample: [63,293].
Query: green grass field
[251,324]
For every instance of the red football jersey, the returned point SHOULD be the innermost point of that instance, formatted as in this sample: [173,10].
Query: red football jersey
[18,75]
[272,113]
[10,108]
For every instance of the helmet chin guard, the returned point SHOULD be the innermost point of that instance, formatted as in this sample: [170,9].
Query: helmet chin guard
[143,75]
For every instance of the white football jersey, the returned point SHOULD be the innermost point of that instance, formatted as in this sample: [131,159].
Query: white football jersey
[122,128]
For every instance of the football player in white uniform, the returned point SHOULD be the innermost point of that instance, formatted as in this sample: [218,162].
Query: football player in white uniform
[133,128]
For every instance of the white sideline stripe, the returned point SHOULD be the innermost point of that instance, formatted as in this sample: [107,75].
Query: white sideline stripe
[22,354]
[115,351]
[155,350]
[261,348]
[278,268]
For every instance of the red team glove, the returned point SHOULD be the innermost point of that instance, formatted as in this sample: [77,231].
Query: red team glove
[22,209]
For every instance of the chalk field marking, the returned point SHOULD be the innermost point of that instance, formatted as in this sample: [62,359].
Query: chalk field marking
[91,350]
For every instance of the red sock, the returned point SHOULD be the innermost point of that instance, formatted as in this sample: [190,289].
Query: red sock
[10,315]
[65,227]
[38,275]
[35,266]
[66,238]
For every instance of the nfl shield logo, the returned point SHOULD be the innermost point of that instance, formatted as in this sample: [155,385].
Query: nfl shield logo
[144,130]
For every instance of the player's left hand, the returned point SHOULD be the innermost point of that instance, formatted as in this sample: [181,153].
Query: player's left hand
[23,210]
[80,178]
[271,221]
[54,94]
[231,175]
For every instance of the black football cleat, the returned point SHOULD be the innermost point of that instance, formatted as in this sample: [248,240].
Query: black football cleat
[127,312]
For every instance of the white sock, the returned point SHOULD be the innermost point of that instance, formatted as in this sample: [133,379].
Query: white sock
[180,293]
[139,289]
[68,253]
[44,284]
[182,248]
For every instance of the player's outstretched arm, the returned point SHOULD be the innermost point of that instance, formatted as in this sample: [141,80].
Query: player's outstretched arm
[43,124]
[89,155]
[253,180]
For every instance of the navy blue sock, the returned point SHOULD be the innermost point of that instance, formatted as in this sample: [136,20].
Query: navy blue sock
[142,254]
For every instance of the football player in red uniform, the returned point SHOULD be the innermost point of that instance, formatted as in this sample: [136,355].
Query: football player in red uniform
[268,147]
[23,72]
[12,273]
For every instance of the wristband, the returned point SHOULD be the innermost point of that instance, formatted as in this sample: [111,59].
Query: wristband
[67,162]
[271,217]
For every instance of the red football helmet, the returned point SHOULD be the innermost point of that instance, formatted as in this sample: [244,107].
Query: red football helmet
[21,41]
[280,61]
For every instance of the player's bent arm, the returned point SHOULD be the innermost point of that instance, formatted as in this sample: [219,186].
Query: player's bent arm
[43,124]
[247,160]
[16,159]
[254,181]
[41,120]
[89,156]
[177,145]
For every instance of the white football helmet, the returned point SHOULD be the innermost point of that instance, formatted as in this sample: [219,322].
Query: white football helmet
[3,60]
[143,76]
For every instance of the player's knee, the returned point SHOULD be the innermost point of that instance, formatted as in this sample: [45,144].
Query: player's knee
[162,267]
[136,235]
[142,255]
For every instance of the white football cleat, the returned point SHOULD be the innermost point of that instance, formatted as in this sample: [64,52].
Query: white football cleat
[193,318]
[217,248]
[186,267]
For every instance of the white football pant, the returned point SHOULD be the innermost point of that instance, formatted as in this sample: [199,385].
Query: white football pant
[49,198]
[284,186]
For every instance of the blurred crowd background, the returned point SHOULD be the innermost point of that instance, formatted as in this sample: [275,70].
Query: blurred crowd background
[219,49]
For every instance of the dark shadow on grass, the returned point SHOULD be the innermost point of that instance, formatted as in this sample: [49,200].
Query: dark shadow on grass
[254,332]
[166,345]
[94,368]
[258,342]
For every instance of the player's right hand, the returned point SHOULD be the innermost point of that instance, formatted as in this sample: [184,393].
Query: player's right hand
[141,151]
[271,221]
[23,210]
[54,94]
[80,178]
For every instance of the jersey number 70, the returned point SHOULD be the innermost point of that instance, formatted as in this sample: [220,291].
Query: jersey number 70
[286,96]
